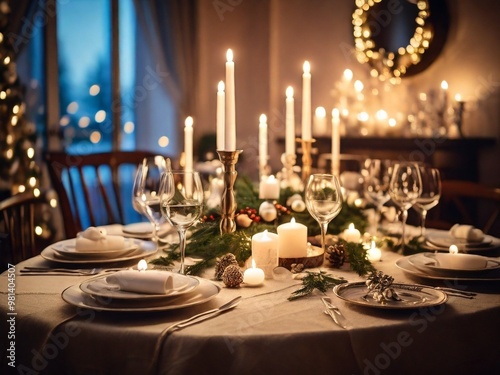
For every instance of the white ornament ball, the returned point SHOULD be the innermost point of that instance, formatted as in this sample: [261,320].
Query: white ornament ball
[298,205]
[267,211]
[243,221]
[292,199]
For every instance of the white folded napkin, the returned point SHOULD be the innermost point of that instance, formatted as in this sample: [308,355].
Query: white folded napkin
[467,232]
[148,282]
[93,239]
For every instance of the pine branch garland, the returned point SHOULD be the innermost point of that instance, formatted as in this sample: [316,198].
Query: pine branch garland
[321,281]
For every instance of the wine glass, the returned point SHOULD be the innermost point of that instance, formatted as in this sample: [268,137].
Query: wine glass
[404,189]
[323,200]
[145,192]
[377,175]
[431,192]
[181,200]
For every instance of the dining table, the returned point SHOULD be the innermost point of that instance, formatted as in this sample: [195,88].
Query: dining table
[266,333]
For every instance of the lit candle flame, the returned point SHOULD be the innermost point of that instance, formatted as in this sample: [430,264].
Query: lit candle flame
[289,92]
[220,86]
[229,55]
[453,249]
[142,265]
[188,122]
[307,67]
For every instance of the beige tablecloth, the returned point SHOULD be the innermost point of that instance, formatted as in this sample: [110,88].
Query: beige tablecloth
[264,334]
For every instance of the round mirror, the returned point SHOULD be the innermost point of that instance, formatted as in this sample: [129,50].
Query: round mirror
[399,37]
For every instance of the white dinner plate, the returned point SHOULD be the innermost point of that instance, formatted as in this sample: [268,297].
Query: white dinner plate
[67,248]
[144,249]
[100,287]
[412,296]
[453,263]
[444,240]
[405,265]
[205,291]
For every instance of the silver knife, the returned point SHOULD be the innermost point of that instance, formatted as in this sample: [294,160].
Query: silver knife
[334,313]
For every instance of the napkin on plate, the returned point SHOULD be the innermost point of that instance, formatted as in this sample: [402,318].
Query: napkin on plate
[148,282]
[467,232]
[93,239]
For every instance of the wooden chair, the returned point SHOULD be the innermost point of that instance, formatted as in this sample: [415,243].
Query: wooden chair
[17,217]
[94,189]
[467,202]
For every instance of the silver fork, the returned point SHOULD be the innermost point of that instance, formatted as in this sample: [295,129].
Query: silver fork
[64,271]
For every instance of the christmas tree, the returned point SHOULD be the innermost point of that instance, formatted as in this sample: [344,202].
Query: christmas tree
[18,169]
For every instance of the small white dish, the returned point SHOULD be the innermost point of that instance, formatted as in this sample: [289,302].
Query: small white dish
[453,262]
[67,248]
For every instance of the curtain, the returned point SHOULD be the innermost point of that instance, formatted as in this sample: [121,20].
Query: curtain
[169,29]
[21,21]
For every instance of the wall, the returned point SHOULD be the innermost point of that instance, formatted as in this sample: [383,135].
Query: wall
[272,38]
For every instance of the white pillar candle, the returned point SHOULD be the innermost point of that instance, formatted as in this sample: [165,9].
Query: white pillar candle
[265,252]
[336,142]
[306,102]
[230,114]
[351,234]
[289,123]
[262,141]
[373,253]
[319,121]
[269,188]
[221,98]
[253,276]
[292,240]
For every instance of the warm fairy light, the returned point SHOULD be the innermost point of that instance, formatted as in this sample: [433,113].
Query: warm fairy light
[129,127]
[163,141]
[30,152]
[84,122]
[38,230]
[21,188]
[9,153]
[381,115]
[358,86]
[13,121]
[94,90]
[95,137]
[72,107]
[9,139]
[444,85]
[392,122]
[3,95]
[64,121]
[32,181]
[348,75]
[15,109]
[363,116]
[53,203]
[458,97]
[100,116]
[6,60]
[36,192]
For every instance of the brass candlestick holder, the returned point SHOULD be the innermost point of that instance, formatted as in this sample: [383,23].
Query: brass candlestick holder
[306,157]
[228,202]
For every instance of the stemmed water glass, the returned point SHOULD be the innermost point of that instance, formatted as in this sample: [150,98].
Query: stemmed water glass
[431,192]
[145,192]
[181,200]
[323,200]
[404,189]
[377,175]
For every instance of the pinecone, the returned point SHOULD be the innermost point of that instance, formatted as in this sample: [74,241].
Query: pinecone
[232,276]
[222,263]
[336,255]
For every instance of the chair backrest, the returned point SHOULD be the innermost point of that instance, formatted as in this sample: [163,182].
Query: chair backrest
[467,202]
[94,189]
[17,217]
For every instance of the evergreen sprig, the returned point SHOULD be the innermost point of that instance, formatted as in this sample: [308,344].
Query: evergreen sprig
[358,259]
[321,281]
